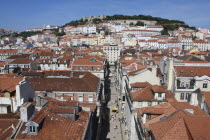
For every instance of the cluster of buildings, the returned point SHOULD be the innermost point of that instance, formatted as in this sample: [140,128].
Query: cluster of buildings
[6,31]
[42,89]
[65,102]
[55,87]
[164,94]
[45,27]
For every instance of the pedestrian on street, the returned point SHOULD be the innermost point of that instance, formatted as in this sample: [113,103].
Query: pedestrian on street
[112,117]
[115,127]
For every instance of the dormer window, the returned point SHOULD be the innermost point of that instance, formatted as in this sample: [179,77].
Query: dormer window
[148,116]
[32,129]
[159,94]
[92,59]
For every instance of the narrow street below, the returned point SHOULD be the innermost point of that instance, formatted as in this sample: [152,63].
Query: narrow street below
[116,127]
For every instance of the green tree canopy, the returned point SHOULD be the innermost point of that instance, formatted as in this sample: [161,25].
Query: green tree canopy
[139,23]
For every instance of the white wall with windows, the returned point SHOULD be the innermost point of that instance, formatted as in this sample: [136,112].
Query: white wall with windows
[113,53]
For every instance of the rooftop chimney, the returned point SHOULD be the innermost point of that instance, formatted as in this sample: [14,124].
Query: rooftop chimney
[26,111]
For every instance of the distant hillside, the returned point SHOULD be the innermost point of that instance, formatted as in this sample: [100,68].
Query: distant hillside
[26,34]
[166,23]
[4,32]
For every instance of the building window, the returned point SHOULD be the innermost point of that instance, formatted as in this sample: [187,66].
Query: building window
[148,116]
[140,103]
[72,98]
[187,85]
[159,94]
[182,96]
[134,69]
[186,96]
[32,129]
[149,103]
[182,84]
[74,67]
[80,98]
[90,98]
[205,84]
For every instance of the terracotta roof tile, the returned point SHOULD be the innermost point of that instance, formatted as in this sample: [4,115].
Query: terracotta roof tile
[6,129]
[94,56]
[147,93]
[9,83]
[191,71]
[8,51]
[88,83]
[56,126]
[133,73]
[80,62]
[191,59]
[169,111]
[207,97]
[61,103]
[167,129]
[184,127]
[58,109]
[198,127]
[140,84]
[21,61]
[157,88]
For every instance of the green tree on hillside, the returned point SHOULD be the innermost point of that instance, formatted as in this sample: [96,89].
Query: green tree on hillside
[139,23]
[131,24]
[96,21]
[164,32]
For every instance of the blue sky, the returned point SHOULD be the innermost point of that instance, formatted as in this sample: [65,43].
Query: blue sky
[24,14]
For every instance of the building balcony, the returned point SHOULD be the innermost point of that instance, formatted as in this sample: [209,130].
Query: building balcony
[191,88]
[160,98]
